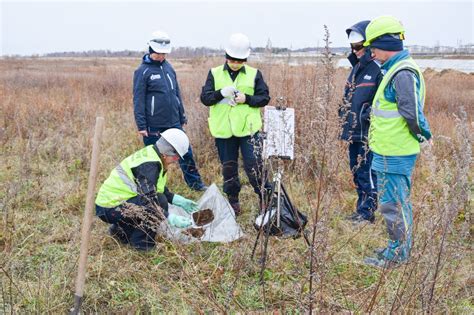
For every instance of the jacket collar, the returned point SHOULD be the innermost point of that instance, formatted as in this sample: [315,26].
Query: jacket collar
[364,60]
[147,59]
[161,158]
[226,67]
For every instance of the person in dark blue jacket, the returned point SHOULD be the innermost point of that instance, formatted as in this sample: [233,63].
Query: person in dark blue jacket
[359,92]
[157,102]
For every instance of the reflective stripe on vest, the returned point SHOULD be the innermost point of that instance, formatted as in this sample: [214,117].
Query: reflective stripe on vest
[125,179]
[385,113]
[240,120]
[389,134]
[120,185]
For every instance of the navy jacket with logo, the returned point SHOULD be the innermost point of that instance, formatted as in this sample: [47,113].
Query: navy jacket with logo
[157,100]
[359,92]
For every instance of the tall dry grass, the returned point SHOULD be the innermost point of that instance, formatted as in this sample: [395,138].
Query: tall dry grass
[47,110]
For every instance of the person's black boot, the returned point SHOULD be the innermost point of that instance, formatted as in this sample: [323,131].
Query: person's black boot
[357,218]
[234,203]
[201,187]
[118,233]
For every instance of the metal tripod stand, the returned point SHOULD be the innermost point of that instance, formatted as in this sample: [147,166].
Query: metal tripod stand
[272,200]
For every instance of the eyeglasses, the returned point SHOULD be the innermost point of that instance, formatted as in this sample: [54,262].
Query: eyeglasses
[357,46]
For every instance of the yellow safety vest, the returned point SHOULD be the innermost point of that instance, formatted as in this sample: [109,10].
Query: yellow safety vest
[121,186]
[241,120]
[389,134]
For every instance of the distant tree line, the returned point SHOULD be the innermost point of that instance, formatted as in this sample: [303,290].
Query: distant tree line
[179,52]
[193,52]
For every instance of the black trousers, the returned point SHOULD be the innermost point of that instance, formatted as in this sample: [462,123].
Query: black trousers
[365,179]
[251,149]
[139,230]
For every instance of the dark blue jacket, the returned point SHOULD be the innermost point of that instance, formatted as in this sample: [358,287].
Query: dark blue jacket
[359,92]
[157,100]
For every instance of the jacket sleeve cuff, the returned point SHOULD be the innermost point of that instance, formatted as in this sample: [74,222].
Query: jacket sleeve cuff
[248,100]
[218,96]
[169,195]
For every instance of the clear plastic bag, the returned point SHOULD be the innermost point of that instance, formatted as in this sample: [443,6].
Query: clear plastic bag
[222,229]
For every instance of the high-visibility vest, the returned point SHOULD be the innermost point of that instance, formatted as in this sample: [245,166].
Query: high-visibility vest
[121,186]
[240,120]
[389,134]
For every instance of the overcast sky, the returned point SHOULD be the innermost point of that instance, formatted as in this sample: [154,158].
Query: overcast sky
[38,27]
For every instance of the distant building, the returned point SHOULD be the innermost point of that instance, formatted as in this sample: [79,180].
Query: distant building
[438,49]
[466,49]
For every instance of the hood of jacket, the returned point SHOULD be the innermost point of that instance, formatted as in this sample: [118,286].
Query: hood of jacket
[359,28]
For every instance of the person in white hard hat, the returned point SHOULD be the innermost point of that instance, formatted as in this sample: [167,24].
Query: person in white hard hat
[157,102]
[359,92]
[235,92]
[139,183]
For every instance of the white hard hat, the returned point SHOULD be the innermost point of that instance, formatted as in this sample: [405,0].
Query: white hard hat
[238,46]
[160,42]
[355,37]
[177,139]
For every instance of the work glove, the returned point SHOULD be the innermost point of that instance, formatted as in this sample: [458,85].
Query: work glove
[228,91]
[188,205]
[179,221]
[231,102]
[240,98]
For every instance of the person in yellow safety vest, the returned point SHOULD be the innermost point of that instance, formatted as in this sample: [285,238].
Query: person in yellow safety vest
[138,183]
[397,127]
[235,92]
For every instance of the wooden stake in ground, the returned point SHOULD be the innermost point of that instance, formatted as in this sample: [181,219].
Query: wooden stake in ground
[87,221]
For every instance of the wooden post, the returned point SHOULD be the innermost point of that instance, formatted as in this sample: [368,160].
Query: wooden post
[87,221]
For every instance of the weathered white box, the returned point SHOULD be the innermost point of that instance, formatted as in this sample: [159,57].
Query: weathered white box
[279,128]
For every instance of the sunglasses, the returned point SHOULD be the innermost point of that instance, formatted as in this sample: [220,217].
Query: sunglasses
[357,46]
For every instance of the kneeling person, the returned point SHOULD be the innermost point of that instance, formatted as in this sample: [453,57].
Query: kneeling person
[139,182]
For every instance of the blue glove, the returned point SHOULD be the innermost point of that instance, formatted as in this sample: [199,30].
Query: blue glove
[188,205]
[179,221]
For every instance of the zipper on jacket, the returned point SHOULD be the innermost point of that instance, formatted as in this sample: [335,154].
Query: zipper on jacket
[167,87]
[152,105]
[171,82]
[163,71]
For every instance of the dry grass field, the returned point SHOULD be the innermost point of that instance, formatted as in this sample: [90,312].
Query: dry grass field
[47,115]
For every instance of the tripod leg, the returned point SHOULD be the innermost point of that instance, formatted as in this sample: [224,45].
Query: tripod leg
[255,244]
[260,230]
[306,238]
[267,232]
[265,253]
[278,197]
[295,214]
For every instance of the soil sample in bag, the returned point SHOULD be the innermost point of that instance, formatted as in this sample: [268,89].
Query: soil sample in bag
[203,217]
[194,232]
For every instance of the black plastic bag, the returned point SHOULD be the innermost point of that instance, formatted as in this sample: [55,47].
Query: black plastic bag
[292,221]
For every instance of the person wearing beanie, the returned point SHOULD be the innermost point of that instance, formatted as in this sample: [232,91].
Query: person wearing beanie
[157,102]
[397,128]
[134,198]
[354,112]
[235,92]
